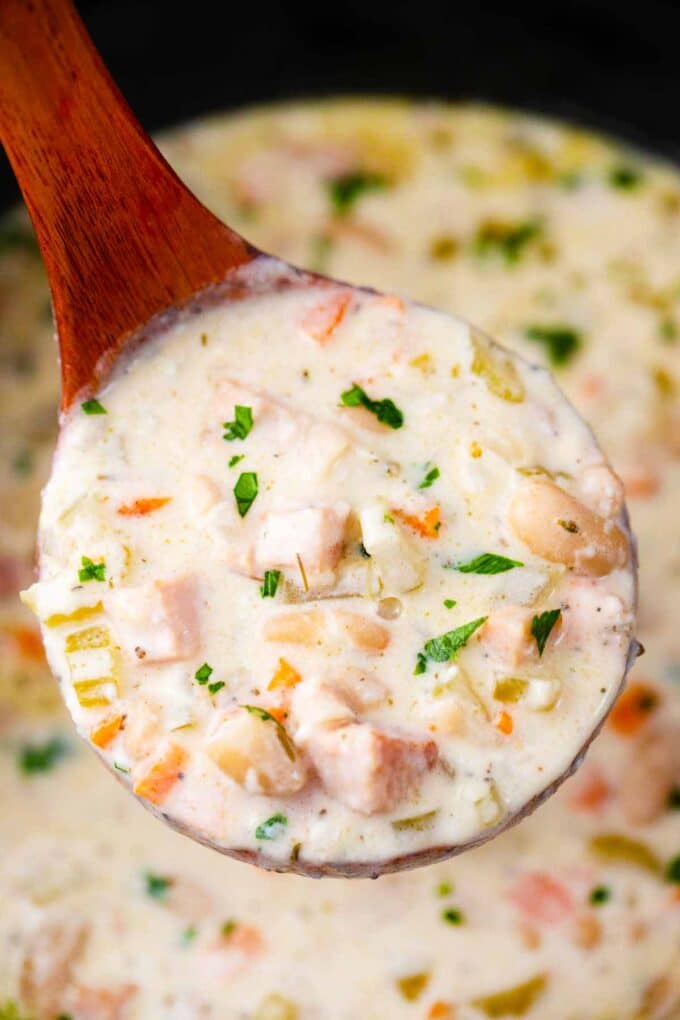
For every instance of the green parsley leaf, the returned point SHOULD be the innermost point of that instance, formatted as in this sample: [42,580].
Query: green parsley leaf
[121,768]
[600,894]
[421,664]
[505,240]
[217,686]
[42,757]
[236,459]
[91,571]
[156,885]
[344,191]
[561,343]
[270,583]
[431,476]
[245,491]
[452,916]
[261,713]
[203,673]
[542,625]
[363,551]
[447,646]
[93,406]
[189,935]
[625,177]
[450,603]
[486,563]
[674,799]
[240,426]
[272,828]
[444,889]
[386,411]
[673,870]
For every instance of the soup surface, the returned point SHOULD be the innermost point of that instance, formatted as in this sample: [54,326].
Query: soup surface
[567,249]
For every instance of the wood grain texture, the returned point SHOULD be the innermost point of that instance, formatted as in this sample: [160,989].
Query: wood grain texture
[123,239]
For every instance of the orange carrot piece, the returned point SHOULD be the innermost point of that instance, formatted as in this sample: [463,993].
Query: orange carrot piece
[28,642]
[321,321]
[142,507]
[589,790]
[162,775]
[103,734]
[279,713]
[503,722]
[441,1010]
[243,937]
[633,708]
[285,676]
[426,526]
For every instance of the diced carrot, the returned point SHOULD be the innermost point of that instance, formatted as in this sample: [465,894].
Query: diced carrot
[589,790]
[28,642]
[441,1010]
[542,898]
[321,321]
[245,938]
[278,712]
[633,708]
[285,676]
[142,507]
[642,483]
[103,734]
[162,775]
[503,722]
[426,526]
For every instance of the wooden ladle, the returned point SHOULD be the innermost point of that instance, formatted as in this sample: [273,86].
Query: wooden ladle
[124,241]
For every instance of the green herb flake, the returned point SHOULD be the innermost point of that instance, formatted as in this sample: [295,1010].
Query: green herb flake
[189,935]
[599,895]
[444,889]
[156,886]
[245,492]
[505,240]
[421,664]
[203,673]
[91,571]
[446,646]
[542,625]
[486,563]
[121,768]
[672,873]
[450,603]
[432,475]
[272,828]
[673,801]
[270,583]
[236,459]
[35,758]
[452,916]
[93,407]
[385,410]
[217,686]
[240,427]
[416,823]
[363,551]
[625,177]
[560,342]
[345,191]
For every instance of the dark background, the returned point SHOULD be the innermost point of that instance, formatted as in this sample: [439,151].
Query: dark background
[610,65]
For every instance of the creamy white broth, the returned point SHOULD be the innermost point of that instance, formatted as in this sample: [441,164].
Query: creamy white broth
[327,719]
[76,849]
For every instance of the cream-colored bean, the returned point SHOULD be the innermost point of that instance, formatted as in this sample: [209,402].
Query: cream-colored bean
[306,628]
[557,527]
[313,627]
[363,633]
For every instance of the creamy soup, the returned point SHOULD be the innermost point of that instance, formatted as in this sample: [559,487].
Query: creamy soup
[382,607]
[566,248]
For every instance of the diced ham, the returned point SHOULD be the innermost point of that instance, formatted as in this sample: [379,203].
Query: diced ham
[96,1003]
[587,605]
[154,779]
[47,964]
[589,791]
[651,773]
[313,535]
[234,951]
[158,621]
[256,752]
[542,898]
[507,635]
[321,321]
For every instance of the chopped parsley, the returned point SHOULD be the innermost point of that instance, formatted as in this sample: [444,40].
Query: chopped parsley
[486,563]
[444,889]
[91,571]
[625,177]
[121,768]
[15,236]
[245,491]
[156,885]
[450,603]
[505,240]
[240,426]
[431,476]
[93,407]
[674,799]
[452,916]
[386,411]
[189,935]
[42,757]
[446,646]
[203,673]
[673,870]
[215,687]
[344,191]
[561,342]
[599,895]
[236,459]
[542,625]
[363,551]
[272,828]
[270,583]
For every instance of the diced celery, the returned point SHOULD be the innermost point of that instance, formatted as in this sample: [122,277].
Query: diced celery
[99,691]
[416,823]
[516,1001]
[615,848]
[509,689]
[84,613]
[91,637]
[275,1007]
[497,370]
[412,986]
